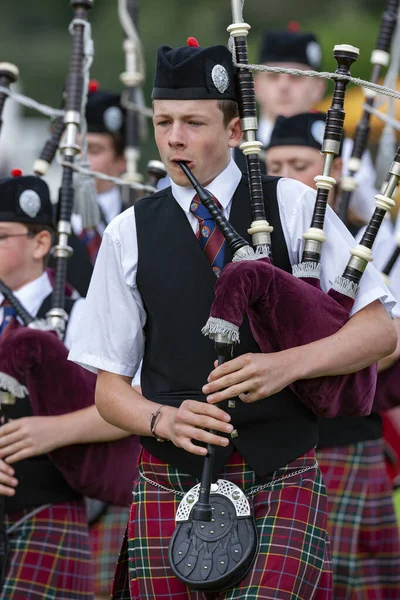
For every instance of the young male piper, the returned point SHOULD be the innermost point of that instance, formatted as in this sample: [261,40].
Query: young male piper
[106,142]
[49,554]
[287,95]
[152,266]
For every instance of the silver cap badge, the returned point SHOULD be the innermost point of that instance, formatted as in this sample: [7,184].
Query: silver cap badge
[317,131]
[314,54]
[220,78]
[113,119]
[30,203]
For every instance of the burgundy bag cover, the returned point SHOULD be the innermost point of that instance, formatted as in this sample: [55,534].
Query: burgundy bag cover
[38,359]
[285,312]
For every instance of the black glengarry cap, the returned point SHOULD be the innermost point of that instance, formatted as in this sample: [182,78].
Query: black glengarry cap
[194,73]
[25,199]
[286,46]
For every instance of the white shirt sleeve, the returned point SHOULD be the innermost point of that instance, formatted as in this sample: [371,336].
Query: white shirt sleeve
[363,197]
[296,205]
[112,319]
[382,250]
[72,332]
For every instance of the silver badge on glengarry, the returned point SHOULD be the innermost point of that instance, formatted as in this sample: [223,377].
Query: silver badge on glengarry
[220,78]
[113,119]
[30,203]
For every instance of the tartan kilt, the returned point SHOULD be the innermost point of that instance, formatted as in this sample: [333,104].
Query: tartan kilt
[293,559]
[362,525]
[49,555]
[106,536]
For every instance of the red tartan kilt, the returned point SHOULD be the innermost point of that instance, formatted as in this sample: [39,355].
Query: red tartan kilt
[362,525]
[106,536]
[49,555]
[290,516]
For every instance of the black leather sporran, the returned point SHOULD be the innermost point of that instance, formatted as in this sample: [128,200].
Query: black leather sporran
[213,555]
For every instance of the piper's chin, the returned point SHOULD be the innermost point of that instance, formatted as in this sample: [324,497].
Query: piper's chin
[177,175]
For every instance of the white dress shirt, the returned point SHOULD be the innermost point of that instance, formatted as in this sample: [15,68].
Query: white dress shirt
[111,327]
[363,198]
[110,204]
[382,250]
[32,296]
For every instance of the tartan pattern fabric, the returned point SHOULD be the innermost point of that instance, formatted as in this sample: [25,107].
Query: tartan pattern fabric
[293,559]
[91,239]
[362,524]
[49,555]
[106,536]
[211,240]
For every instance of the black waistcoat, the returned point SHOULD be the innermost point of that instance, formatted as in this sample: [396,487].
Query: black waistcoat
[177,287]
[345,431]
[39,480]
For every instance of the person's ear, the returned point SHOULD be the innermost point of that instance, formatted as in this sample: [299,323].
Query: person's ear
[42,244]
[235,132]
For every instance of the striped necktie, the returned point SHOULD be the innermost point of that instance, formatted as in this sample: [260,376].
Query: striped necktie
[210,238]
[9,317]
[91,239]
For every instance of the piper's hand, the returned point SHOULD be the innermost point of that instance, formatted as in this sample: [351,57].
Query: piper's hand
[190,421]
[7,480]
[250,376]
[26,437]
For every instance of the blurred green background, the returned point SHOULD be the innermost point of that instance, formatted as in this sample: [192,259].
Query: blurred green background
[34,36]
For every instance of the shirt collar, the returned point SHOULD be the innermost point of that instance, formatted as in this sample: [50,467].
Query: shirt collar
[222,187]
[33,294]
[265,127]
[110,203]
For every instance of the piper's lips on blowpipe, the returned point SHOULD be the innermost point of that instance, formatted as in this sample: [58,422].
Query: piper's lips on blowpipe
[179,161]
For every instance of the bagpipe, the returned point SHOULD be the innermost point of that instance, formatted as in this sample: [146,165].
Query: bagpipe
[8,74]
[131,100]
[215,540]
[33,358]
[379,59]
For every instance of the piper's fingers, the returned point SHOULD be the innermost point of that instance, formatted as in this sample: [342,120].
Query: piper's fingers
[202,436]
[6,453]
[7,481]
[225,382]
[189,408]
[6,491]
[200,422]
[18,455]
[209,438]
[229,367]
[11,425]
[10,438]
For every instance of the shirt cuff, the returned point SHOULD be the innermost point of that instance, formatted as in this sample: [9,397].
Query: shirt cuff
[94,363]
[376,293]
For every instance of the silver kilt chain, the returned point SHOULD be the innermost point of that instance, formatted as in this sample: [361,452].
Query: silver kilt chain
[251,492]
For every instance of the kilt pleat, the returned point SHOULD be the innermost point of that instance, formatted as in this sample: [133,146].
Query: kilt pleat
[293,562]
[362,524]
[49,555]
[106,536]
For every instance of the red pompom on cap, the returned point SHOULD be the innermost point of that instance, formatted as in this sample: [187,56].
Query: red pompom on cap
[293,26]
[16,173]
[94,86]
[191,41]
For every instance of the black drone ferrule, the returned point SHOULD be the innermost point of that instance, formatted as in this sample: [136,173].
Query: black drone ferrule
[388,25]
[371,231]
[391,262]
